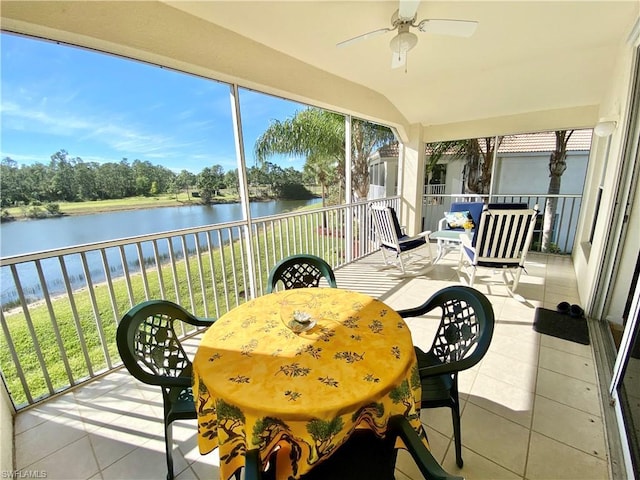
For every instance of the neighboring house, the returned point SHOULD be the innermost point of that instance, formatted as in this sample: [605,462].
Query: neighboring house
[383,172]
[521,169]
[523,163]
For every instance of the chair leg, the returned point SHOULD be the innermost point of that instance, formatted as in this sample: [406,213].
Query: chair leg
[455,416]
[429,254]
[384,256]
[472,277]
[461,259]
[440,253]
[168,444]
[400,262]
[516,279]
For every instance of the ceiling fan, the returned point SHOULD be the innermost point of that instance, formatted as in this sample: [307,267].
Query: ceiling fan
[403,20]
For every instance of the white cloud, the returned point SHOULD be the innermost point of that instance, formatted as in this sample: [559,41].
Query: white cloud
[124,139]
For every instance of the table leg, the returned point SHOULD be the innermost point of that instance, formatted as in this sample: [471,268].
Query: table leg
[440,244]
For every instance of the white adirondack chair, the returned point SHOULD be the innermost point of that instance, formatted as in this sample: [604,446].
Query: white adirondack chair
[502,242]
[394,243]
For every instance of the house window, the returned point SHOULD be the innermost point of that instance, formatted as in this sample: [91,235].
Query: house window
[435,180]
[594,221]
[596,210]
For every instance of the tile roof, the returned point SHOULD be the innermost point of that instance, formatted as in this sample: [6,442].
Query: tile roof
[523,143]
[544,142]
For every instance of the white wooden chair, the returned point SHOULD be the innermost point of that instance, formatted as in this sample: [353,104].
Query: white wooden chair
[502,242]
[394,243]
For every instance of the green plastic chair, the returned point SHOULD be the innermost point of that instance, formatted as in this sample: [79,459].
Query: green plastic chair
[363,456]
[151,351]
[462,339]
[300,271]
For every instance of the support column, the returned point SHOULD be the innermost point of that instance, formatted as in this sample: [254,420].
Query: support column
[412,160]
[348,189]
[494,161]
[7,414]
[243,188]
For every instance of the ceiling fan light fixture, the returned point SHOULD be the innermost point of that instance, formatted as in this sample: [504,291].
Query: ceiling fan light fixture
[403,42]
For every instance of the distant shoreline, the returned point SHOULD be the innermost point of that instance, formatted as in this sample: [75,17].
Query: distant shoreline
[107,209]
[149,206]
[89,208]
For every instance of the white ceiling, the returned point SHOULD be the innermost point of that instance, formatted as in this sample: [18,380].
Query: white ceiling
[526,57]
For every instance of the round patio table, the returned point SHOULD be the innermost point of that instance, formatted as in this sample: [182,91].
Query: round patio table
[258,384]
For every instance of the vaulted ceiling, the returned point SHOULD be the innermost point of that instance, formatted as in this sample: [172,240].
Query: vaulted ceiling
[530,65]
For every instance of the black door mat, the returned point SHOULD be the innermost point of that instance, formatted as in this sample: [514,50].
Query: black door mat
[561,325]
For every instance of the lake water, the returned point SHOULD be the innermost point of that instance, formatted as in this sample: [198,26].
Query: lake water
[23,237]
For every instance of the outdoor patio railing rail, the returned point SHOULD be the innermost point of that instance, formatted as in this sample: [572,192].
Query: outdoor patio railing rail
[61,307]
[58,320]
[565,219]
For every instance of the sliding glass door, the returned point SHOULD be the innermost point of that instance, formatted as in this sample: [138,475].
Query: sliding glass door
[625,386]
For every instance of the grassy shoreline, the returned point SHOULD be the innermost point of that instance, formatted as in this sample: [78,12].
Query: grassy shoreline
[131,203]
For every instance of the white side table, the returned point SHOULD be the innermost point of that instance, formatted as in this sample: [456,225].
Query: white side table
[447,240]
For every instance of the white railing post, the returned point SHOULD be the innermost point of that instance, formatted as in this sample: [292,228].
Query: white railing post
[348,228]
[493,167]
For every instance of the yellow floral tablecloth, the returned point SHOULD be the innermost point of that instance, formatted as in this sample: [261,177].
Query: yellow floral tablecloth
[258,384]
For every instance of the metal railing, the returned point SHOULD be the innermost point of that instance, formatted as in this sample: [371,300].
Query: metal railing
[61,307]
[565,221]
[434,189]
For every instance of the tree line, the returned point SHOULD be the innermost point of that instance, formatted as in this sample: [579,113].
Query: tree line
[70,179]
[317,135]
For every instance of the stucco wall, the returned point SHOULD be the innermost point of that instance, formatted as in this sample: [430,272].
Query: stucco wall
[604,168]
[529,173]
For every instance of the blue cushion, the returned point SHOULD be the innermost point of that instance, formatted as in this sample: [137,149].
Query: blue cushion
[475,209]
[396,223]
[410,245]
[508,206]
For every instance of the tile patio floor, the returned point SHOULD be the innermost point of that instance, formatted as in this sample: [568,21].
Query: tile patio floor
[530,409]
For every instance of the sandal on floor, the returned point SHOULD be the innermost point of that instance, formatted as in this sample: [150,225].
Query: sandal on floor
[576,311]
[563,307]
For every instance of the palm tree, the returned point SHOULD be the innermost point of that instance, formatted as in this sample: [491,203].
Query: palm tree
[322,169]
[479,159]
[319,134]
[366,138]
[557,166]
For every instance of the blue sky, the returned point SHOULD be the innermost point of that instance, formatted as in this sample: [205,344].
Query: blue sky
[103,108]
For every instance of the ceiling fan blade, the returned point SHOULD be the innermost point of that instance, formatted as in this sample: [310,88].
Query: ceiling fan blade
[398,59]
[407,9]
[364,36]
[456,28]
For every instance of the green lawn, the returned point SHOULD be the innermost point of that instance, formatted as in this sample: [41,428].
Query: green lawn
[131,203]
[97,322]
